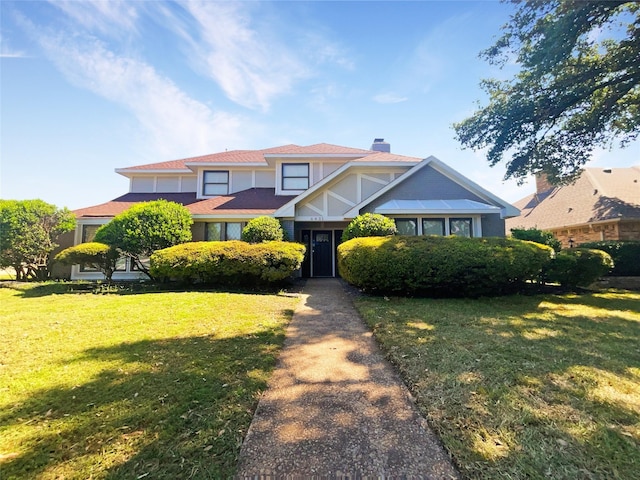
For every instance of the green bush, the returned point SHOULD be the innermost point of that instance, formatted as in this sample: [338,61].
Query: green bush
[539,236]
[578,267]
[441,266]
[263,229]
[369,225]
[91,254]
[231,263]
[625,255]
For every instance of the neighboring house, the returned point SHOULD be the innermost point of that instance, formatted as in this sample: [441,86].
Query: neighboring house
[603,204]
[315,191]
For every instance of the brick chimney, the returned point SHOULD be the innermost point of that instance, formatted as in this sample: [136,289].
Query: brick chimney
[379,145]
[542,183]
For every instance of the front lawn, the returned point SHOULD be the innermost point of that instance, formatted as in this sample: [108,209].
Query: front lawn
[146,385]
[523,387]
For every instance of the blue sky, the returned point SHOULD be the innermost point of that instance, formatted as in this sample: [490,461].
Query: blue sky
[88,87]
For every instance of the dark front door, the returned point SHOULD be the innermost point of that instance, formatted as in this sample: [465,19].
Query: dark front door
[321,254]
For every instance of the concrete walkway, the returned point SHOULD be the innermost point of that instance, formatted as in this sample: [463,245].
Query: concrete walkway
[335,409]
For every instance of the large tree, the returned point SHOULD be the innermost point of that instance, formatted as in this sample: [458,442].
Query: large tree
[29,230]
[145,228]
[577,87]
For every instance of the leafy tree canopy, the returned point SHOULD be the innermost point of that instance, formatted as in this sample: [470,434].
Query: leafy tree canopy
[145,228]
[28,233]
[578,87]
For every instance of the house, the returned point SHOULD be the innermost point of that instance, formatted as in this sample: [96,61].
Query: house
[602,204]
[315,191]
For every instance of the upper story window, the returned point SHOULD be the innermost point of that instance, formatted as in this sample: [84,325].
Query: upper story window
[215,182]
[295,176]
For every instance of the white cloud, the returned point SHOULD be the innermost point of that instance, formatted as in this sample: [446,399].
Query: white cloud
[105,17]
[7,52]
[177,124]
[389,97]
[248,61]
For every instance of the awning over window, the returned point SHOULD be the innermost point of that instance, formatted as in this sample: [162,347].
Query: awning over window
[430,207]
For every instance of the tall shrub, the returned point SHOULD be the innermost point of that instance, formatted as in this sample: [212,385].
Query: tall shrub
[145,228]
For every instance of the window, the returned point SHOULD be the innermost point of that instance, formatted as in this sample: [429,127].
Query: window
[433,226]
[295,176]
[89,232]
[215,183]
[460,227]
[407,226]
[219,231]
[213,233]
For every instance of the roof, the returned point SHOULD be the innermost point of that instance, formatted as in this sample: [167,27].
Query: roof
[463,206]
[598,195]
[254,201]
[258,157]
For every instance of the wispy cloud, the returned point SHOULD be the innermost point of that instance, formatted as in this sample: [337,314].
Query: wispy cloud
[176,124]
[105,17]
[7,52]
[247,60]
[389,97]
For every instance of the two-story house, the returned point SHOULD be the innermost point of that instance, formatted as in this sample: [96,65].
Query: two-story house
[315,191]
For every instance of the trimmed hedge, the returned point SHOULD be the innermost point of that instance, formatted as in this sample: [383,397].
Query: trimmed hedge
[578,267]
[230,263]
[441,266]
[625,255]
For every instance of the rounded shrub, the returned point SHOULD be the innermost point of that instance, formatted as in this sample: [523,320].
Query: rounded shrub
[625,255]
[369,225]
[441,266]
[91,254]
[539,236]
[263,229]
[231,263]
[578,267]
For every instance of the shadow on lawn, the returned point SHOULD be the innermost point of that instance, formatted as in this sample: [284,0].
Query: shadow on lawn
[31,290]
[174,408]
[517,388]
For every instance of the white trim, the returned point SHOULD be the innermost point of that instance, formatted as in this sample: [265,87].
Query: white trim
[338,197]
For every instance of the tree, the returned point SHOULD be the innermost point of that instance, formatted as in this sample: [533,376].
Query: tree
[29,230]
[578,87]
[145,228]
[369,225]
[262,229]
[93,255]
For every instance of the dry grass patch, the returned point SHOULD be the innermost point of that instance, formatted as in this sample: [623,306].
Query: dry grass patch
[523,387]
[148,385]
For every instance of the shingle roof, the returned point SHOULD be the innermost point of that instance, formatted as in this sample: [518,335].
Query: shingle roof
[254,156]
[598,195]
[254,201]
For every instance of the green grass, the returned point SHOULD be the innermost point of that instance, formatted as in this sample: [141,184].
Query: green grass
[146,385]
[523,387]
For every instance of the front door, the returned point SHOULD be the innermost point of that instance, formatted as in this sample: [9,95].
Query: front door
[321,254]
